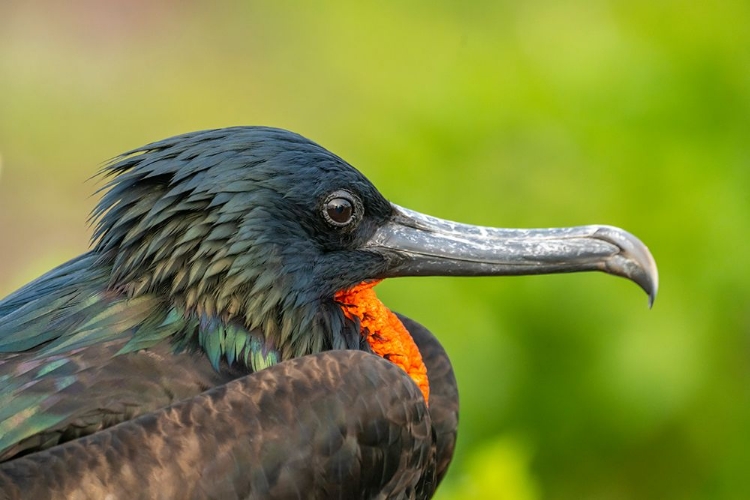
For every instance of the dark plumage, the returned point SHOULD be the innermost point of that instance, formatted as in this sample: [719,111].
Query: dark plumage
[217,259]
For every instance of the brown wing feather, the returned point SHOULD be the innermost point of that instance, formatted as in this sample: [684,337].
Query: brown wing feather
[443,393]
[341,424]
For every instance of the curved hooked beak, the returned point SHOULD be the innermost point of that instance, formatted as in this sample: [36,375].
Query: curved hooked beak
[420,245]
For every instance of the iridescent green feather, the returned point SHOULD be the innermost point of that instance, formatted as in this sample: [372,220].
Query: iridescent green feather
[232,342]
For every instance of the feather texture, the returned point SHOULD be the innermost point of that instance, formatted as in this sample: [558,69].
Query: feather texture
[211,262]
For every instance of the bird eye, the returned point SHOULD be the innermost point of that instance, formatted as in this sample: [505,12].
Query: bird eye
[341,209]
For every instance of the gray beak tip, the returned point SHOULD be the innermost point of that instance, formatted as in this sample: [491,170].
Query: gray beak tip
[654,286]
[653,291]
[633,261]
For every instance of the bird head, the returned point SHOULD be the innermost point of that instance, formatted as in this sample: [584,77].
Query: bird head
[263,226]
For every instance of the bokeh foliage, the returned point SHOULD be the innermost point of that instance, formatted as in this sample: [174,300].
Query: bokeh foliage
[538,113]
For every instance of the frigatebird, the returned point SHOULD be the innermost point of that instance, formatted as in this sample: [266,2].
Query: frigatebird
[222,338]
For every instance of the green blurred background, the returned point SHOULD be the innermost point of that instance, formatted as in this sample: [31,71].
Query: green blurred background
[537,113]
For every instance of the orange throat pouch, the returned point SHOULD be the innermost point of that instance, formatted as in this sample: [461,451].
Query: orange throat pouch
[387,336]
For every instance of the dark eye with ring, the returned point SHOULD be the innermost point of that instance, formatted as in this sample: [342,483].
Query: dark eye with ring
[342,209]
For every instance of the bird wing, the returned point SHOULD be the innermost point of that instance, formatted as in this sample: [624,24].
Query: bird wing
[339,424]
[76,357]
[443,393]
